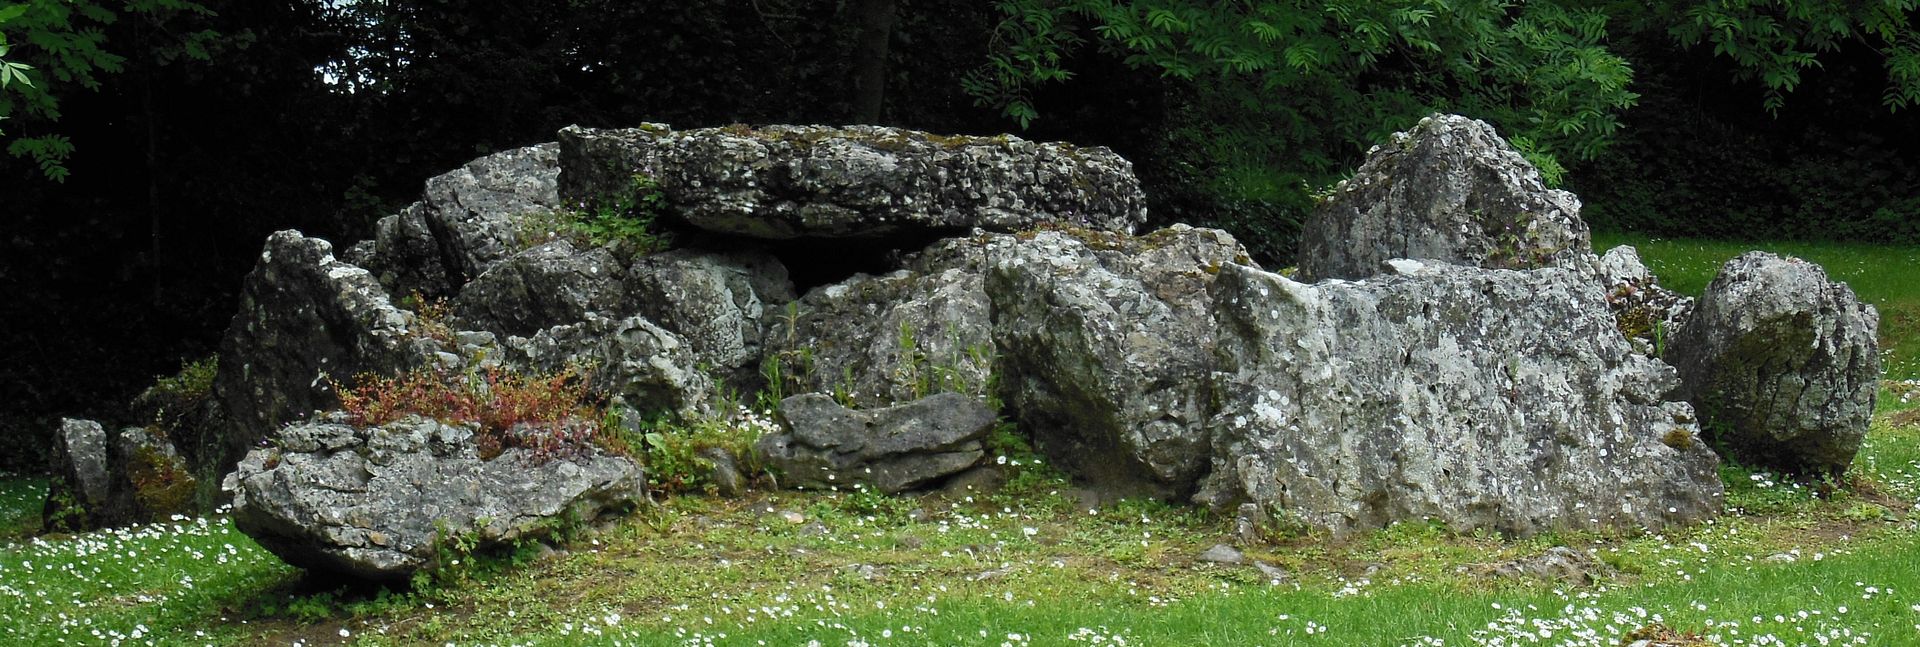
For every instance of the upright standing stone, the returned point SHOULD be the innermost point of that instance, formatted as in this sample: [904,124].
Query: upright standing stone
[1782,364]
[1104,350]
[1481,399]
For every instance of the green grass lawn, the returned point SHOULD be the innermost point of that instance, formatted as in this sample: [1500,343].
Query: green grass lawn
[1886,276]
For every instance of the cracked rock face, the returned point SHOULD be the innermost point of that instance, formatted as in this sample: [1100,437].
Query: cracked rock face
[1484,399]
[647,366]
[1449,190]
[466,221]
[548,285]
[1102,350]
[881,340]
[718,302]
[782,182]
[304,319]
[1783,364]
[372,502]
[1649,315]
[892,449]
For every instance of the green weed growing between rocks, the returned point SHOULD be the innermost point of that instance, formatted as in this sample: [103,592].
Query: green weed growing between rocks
[630,221]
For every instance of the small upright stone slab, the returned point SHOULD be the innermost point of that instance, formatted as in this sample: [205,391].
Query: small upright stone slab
[107,479]
[1782,364]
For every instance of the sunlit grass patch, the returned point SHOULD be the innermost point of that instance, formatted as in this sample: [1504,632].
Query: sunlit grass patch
[1887,276]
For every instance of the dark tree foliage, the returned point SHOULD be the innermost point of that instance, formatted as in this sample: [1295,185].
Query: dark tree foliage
[1700,157]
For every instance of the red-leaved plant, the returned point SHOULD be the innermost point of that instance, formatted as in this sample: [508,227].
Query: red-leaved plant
[551,415]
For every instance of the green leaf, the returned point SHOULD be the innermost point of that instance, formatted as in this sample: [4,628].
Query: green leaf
[11,12]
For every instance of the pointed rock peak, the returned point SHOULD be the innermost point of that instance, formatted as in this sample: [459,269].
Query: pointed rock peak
[1450,190]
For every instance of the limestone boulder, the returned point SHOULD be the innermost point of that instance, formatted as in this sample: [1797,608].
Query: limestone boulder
[404,255]
[1103,350]
[156,475]
[105,479]
[1782,364]
[1451,190]
[720,303]
[376,502]
[306,320]
[82,494]
[466,221]
[892,449]
[893,338]
[1483,399]
[548,285]
[781,182]
[648,367]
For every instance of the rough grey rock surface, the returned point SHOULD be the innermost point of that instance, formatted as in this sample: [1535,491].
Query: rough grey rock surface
[1452,190]
[82,494]
[82,454]
[1483,399]
[304,319]
[1102,350]
[725,475]
[548,285]
[1223,554]
[648,367]
[372,502]
[1649,315]
[892,449]
[720,303]
[1782,364]
[1558,564]
[881,340]
[781,182]
[404,255]
[465,221]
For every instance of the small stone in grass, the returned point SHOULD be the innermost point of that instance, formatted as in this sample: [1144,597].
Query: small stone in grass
[1223,554]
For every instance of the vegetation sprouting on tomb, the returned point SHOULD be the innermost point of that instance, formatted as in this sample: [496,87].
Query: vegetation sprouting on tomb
[550,415]
[632,221]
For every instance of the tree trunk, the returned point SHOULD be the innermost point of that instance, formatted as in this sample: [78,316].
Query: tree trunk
[877,18]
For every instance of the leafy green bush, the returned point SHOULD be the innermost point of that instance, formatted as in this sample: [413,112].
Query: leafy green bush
[673,451]
[172,402]
[630,221]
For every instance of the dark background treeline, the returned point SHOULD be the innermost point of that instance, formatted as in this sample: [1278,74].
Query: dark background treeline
[324,117]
